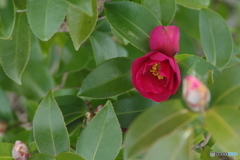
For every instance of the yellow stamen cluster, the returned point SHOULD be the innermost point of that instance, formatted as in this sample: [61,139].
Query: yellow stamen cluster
[155,69]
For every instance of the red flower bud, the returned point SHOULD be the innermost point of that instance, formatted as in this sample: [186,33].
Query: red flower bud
[165,40]
[195,93]
[20,151]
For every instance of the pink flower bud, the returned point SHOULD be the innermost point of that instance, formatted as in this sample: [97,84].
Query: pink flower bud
[195,93]
[20,151]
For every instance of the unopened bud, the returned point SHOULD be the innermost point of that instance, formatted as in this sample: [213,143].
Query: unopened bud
[20,151]
[195,93]
[3,128]
[96,110]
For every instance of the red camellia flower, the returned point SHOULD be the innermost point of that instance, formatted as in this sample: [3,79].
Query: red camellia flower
[156,75]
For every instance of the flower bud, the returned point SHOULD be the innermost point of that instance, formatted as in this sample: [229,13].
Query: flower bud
[195,93]
[20,151]
[96,110]
[3,127]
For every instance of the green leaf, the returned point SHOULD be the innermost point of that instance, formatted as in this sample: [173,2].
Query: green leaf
[68,156]
[6,151]
[163,9]
[46,16]
[205,155]
[20,4]
[189,65]
[81,24]
[109,79]
[36,79]
[85,5]
[40,156]
[5,108]
[104,47]
[190,22]
[215,37]
[122,52]
[7,18]
[128,109]
[14,53]
[228,93]
[102,138]
[223,124]
[119,37]
[72,107]
[122,17]
[155,123]
[79,59]
[194,4]
[50,132]
[177,146]
[133,52]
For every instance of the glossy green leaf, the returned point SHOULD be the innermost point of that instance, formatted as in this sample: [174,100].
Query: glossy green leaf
[77,60]
[104,47]
[68,156]
[81,24]
[122,17]
[187,44]
[122,52]
[223,124]
[194,4]
[84,5]
[46,16]
[190,22]
[14,53]
[155,123]
[228,93]
[5,108]
[20,4]
[36,79]
[177,146]
[205,155]
[215,37]
[163,9]
[133,52]
[189,65]
[119,37]
[72,107]
[102,138]
[6,151]
[50,132]
[128,109]
[41,156]
[7,18]
[120,155]
[109,79]
[65,92]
